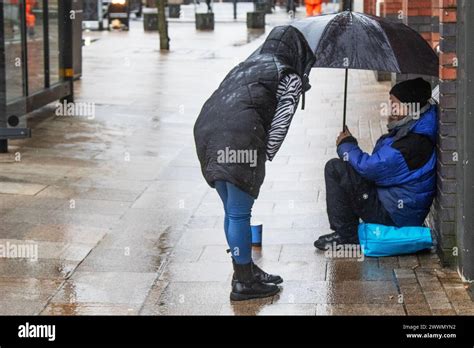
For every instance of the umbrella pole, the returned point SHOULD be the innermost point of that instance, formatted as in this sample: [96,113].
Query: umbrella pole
[345,102]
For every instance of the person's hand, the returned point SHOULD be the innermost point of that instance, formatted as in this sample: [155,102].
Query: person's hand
[343,135]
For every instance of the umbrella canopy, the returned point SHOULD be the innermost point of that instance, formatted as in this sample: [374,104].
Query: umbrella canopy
[352,40]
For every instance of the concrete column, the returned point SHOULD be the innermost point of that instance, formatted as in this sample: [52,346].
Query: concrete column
[444,208]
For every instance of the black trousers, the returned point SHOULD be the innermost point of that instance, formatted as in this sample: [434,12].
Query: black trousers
[349,197]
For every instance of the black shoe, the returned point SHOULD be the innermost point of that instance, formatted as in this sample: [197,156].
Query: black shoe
[262,276]
[333,239]
[247,286]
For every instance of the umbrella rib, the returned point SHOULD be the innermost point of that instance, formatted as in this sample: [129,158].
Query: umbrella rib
[323,34]
[387,39]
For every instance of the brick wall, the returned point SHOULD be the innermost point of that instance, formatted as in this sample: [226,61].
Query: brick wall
[388,7]
[394,9]
[369,7]
[423,17]
[435,23]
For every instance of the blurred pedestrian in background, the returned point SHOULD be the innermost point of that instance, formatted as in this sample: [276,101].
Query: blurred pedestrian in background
[313,7]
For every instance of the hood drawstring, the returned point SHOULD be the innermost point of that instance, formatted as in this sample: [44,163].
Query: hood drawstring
[305,82]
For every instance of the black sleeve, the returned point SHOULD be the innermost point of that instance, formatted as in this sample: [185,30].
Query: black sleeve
[349,139]
[416,149]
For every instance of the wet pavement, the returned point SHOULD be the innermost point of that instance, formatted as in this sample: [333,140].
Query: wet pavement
[123,223]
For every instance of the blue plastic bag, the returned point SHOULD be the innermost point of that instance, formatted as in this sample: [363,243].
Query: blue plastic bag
[380,240]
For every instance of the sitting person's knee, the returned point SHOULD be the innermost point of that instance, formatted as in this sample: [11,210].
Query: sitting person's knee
[333,164]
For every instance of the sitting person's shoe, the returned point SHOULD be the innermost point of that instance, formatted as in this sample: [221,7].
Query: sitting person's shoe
[247,287]
[334,239]
[262,276]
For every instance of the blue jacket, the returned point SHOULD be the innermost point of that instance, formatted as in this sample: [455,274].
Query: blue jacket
[402,166]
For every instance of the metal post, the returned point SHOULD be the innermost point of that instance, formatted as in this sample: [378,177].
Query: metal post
[465,121]
[291,6]
[162,25]
[347,5]
[3,84]
[3,146]
[345,101]
[47,78]
[24,48]
[235,9]
[66,42]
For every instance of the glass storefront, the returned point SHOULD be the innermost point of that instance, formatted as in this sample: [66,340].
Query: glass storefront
[40,56]
[13,49]
[35,45]
[31,58]
[53,26]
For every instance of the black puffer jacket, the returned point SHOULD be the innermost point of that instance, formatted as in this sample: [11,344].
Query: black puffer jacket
[237,116]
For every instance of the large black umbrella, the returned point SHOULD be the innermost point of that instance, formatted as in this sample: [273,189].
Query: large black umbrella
[351,40]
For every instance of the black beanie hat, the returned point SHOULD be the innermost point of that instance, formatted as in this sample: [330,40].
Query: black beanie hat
[412,91]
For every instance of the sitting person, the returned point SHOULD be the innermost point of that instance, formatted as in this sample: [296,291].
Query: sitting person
[396,184]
